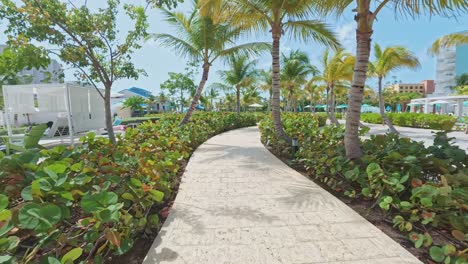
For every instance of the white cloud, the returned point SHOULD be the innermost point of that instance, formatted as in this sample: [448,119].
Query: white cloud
[347,35]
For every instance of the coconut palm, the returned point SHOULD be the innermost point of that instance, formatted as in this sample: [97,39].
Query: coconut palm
[314,91]
[337,73]
[295,71]
[241,74]
[365,18]
[265,83]
[448,41]
[199,38]
[280,18]
[211,94]
[387,60]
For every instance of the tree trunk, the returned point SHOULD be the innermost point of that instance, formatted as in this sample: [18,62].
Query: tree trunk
[275,102]
[181,100]
[382,110]
[108,113]
[196,97]
[332,106]
[238,105]
[363,38]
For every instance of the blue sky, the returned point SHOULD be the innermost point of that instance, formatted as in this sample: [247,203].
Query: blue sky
[417,35]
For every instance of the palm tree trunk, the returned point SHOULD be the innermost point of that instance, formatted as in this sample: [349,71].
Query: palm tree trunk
[238,100]
[332,106]
[363,38]
[196,97]
[108,113]
[382,110]
[275,102]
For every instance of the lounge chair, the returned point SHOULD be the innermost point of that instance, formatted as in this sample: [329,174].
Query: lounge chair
[25,142]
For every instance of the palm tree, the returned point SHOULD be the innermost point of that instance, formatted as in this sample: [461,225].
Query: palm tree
[296,69]
[314,92]
[134,103]
[387,60]
[280,17]
[163,99]
[211,95]
[365,18]
[337,73]
[265,83]
[241,74]
[448,41]
[204,38]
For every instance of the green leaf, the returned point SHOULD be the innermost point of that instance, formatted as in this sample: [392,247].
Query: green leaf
[26,193]
[76,167]
[5,215]
[56,168]
[67,195]
[449,249]
[49,260]
[436,253]
[3,201]
[156,195]
[39,218]
[72,255]
[99,201]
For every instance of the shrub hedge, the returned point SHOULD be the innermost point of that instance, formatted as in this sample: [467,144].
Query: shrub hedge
[417,120]
[91,201]
[423,189]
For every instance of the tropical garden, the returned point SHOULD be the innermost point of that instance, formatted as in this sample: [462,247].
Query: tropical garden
[96,202]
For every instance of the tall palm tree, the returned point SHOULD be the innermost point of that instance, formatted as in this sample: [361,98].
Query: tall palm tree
[387,60]
[279,17]
[448,41]
[211,94]
[365,18]
[206,39]
[337,73]
[265,83]
[296,69]
[313,90]
[241,74]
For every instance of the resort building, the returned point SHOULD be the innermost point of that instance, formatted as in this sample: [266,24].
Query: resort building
[451,63]
[425,87]
[118,99]
[52,74]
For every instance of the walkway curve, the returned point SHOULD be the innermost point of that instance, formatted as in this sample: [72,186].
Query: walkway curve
[238,203]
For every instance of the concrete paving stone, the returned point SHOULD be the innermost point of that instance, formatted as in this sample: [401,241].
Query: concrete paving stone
[238,203]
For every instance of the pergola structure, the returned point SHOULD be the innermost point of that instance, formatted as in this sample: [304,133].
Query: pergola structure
[447,101]
[72,108]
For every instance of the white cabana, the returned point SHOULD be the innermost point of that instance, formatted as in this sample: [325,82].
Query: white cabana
[307,106]
[71,108]
[445,101]
[256,105]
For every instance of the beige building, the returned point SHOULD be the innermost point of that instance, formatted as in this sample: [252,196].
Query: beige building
[425,87]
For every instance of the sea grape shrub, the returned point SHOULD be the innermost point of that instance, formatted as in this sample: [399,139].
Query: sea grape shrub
[417,120]
[420,186]
[83,203]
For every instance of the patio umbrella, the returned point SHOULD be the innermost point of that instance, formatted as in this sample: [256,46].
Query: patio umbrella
[398,108]
[388,108]
[321,106]
[342,106]
[199,107]
[256,105]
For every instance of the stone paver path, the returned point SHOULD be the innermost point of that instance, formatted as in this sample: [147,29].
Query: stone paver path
[238,203]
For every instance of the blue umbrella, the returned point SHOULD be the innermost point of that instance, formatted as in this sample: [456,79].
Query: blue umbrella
[388,108]
[199,107]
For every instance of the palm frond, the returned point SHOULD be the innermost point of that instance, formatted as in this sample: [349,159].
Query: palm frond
[312,30]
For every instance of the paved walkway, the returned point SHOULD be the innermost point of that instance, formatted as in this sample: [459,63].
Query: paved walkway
[238,203]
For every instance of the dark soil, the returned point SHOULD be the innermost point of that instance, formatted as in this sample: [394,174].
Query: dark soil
[378,218]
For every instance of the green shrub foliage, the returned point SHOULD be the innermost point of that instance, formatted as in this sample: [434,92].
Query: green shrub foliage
[424,189]
[417,120]
[87,202]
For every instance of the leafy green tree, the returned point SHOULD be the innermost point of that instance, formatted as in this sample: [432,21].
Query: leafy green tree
[264,81]
[387,60]
[290,18]
[180,84]
[87,40]
[205,38]
[135,103]
[210,96]
[20,56]
[313,90]
[296,69]
[462,79]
